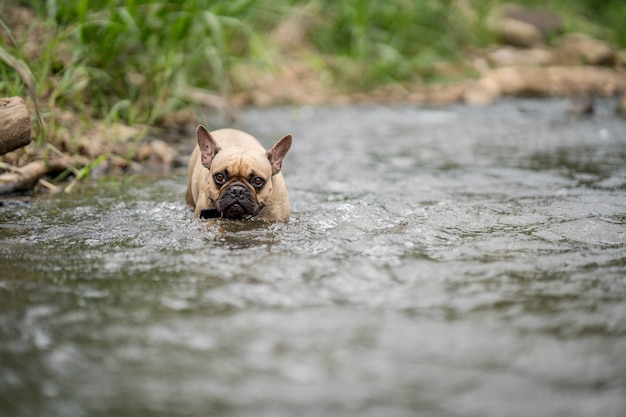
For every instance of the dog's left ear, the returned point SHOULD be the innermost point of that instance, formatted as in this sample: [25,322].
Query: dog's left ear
[278,152]
[208,147]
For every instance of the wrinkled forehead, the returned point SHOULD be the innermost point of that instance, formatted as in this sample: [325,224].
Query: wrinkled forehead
[241,164]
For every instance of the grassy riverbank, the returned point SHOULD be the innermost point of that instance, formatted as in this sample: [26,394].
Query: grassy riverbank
[134,60]
[140,63]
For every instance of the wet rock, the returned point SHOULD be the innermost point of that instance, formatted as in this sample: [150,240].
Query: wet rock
[93,148]
[163,152]
[156,155]
[134,167]
[102,169]
[143,152]
[578,48]
[581,104]
[621,105]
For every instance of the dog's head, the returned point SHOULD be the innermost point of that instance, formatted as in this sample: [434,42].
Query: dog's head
[240,180]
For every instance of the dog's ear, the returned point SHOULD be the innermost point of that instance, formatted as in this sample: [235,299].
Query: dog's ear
[278,152]
[208,147]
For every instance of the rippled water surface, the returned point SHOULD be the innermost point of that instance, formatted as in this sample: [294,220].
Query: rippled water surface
[450,262]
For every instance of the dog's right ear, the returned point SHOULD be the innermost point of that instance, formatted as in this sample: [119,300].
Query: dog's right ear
[208,147]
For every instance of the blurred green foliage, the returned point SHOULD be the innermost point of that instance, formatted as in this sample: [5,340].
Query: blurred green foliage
[391,41]
[131,60]
[602,18]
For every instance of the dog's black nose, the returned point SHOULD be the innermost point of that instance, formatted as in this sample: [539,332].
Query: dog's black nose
[237,191]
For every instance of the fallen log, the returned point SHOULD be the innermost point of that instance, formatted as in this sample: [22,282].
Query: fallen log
[26,178]
[14,124]
[22,179]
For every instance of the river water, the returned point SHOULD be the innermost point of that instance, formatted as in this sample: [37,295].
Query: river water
[438,262]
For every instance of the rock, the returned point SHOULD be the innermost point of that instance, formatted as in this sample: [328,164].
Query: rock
[156,155]
[143,152]
[484,91]
[509,56]
[545,82]
[93,147]
[517,33]
[525,28]
[14,124]
[582,104]
[621,105]
[578,48]
[547,22]
[163,153]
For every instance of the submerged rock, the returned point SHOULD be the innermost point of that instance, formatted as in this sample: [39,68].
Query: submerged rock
[581,105]
[621,105]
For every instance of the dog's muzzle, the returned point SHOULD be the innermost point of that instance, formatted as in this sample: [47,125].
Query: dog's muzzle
[237,201]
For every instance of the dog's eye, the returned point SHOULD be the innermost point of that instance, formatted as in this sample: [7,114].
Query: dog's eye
[257,182]
[219,178]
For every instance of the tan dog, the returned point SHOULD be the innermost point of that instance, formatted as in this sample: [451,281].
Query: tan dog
[232,176]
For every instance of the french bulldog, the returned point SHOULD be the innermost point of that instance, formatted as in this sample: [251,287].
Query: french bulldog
[232,176]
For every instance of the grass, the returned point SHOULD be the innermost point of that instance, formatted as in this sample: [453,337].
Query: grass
[602,19]
[391,42]
[132,61]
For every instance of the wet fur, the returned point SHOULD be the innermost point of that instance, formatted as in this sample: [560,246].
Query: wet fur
[242,157]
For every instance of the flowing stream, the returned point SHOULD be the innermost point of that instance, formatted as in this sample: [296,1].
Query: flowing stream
[438,262]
